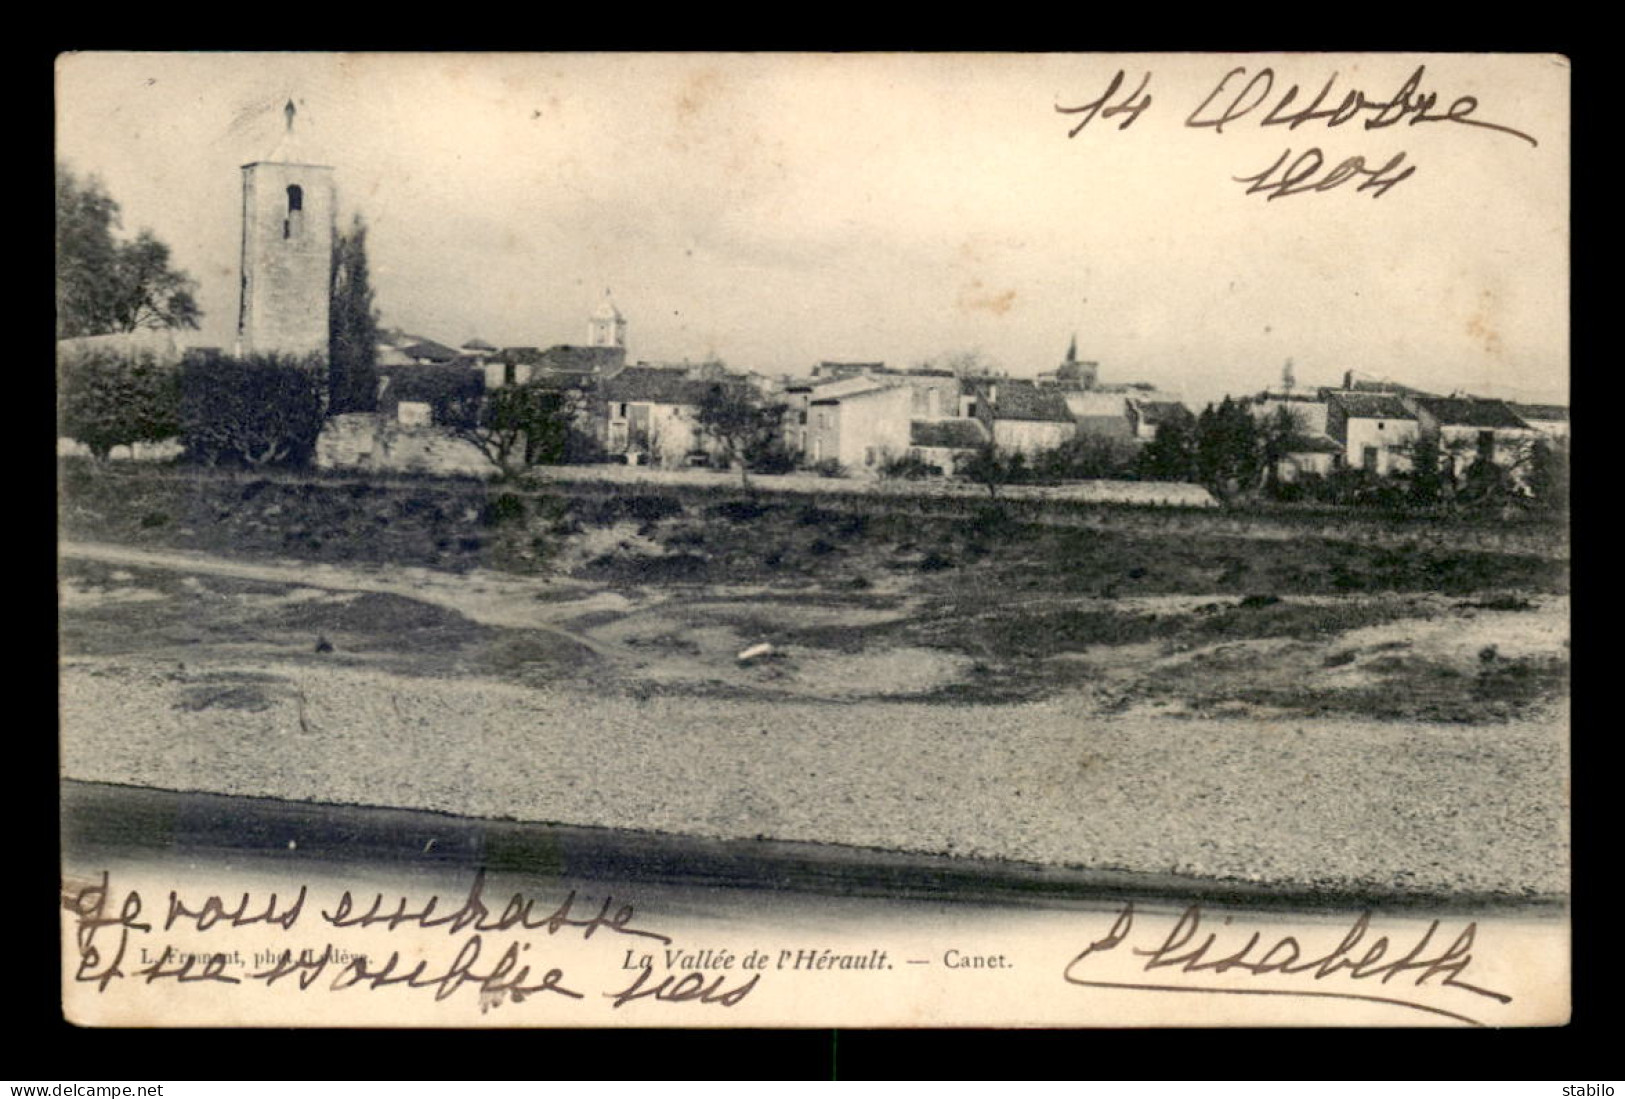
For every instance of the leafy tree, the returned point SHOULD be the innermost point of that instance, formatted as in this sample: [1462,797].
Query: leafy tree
[748,428]
[1228,453]
[106,400]
[1547,475]
[993,467]
[1488,485]
[1279,434]
[964,363]
[257,411]
[107,285]
[1088,458]
[515,426]
[352,345]
[1171,455]
[1426,480]
[1457,454]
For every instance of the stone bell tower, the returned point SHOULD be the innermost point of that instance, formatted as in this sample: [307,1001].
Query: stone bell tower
[288,216]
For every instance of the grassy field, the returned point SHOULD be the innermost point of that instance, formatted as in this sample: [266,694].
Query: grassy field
[643,591]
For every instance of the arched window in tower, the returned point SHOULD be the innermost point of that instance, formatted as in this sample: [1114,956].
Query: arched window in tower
[296,205]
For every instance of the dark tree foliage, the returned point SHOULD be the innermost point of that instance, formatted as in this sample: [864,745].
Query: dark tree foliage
[259,411]
[1229,458]
[747,427]
[106,285]
[1427,478]
[106,400]
[1488,486]
[1171,456]
[1279,434]
[1547,476]
[352,346]
[906,467]
[1088,458]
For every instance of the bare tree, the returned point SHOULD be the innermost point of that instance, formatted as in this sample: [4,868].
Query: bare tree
[747,427]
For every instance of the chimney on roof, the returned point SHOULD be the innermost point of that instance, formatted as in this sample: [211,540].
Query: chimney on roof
[1348,379]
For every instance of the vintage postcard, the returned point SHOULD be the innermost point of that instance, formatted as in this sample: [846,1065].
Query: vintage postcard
[802,540]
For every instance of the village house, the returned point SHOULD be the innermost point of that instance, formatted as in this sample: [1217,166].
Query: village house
[816,429]
[1099,415]
[1147,415]
[410,394]
[1374,431]
[943,444]
[859,422]
[1551,420]
[1309,455]
[522,365]
[428,352]
[1471,428]
[650,416]
[835,371]
[1021,415]
[1308,410]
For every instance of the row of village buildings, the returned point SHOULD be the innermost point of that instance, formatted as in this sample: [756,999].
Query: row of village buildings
[861,415]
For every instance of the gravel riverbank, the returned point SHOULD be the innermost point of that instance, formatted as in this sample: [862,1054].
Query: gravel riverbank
[1333,804]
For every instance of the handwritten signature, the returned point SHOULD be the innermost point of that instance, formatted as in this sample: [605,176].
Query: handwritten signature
[1352,959]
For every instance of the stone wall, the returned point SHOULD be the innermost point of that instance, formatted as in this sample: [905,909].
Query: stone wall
[365,440]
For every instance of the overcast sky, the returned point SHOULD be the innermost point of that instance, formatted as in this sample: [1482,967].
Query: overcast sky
[776,210]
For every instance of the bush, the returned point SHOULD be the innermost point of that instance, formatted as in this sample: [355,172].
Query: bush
[739,511]
[907,467]
[1089,457]
[505,508]
[582,448]
[770,457]
[106,400]
[260,411]
[828,467]
[651,509]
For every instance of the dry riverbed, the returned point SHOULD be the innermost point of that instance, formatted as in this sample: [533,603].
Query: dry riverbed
[1211,736]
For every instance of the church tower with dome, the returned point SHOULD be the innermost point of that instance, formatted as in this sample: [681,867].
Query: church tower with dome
[606,328]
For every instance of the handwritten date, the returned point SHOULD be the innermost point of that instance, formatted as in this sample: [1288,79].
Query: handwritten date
[1242,97]
[1304,175]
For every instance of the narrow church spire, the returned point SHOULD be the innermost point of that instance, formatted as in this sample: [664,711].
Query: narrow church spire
[1072,349]
[1287,378]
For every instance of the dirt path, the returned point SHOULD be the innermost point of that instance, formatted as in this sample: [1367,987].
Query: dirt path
[487,598]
